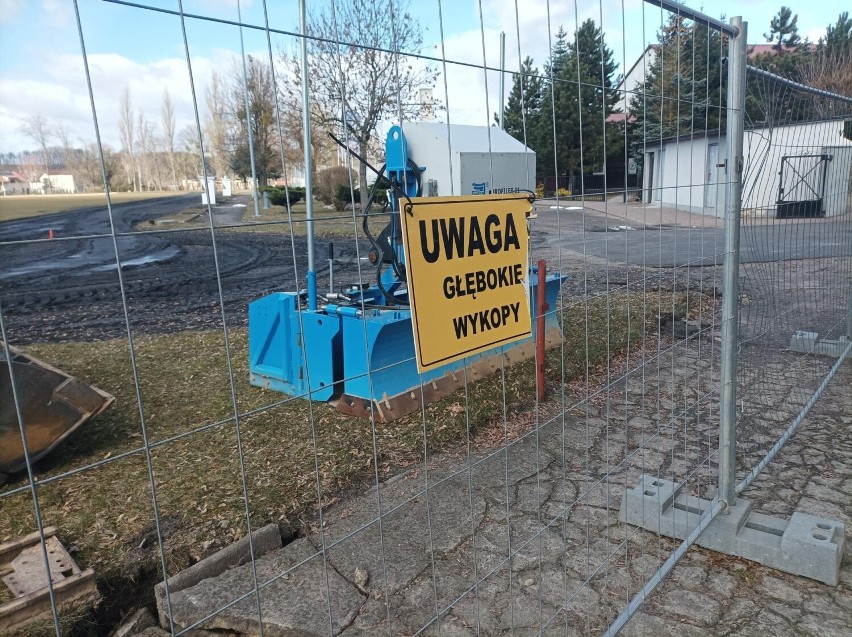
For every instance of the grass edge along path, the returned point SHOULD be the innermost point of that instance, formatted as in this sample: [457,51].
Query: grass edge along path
[25,206]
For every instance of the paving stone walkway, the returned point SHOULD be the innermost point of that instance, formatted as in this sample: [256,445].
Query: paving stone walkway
[525,539]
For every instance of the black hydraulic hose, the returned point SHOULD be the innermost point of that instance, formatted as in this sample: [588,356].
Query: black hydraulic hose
[366,211]
[393,300]
[399,268]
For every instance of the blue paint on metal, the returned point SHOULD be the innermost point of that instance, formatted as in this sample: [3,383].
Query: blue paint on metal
[366,355]
[363,348]
[278,358]
[390,367]
[312,290]
[396,152]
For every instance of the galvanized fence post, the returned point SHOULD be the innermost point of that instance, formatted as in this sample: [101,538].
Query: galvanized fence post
[849,313]
[737,49]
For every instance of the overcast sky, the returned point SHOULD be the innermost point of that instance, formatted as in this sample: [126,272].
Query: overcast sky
[42,71]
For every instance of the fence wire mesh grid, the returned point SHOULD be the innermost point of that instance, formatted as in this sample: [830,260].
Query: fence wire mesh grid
[216,504]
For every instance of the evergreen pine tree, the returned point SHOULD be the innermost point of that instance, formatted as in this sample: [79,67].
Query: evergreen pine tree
[579,95]
[523,104]
[554,106]
[684,89]
[784,30]
[838,37]
[597,100]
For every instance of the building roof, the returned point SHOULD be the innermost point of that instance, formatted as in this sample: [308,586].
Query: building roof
[711,134]
[7,176]
[464,138]
[651,47]
[617,118]
[770,49]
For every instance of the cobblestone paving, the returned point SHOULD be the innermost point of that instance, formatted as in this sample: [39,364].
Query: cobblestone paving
[525,539]
[709,594]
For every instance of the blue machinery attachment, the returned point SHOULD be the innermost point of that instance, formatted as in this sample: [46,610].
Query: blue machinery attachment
[358,348]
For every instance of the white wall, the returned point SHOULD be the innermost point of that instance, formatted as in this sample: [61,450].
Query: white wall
[503,172]
[629,84]
[15,188]
[838,181]
[685,176]
[432,153]
[61,183]
[471,152]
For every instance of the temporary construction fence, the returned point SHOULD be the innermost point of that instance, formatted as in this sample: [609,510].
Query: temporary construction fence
[695,331]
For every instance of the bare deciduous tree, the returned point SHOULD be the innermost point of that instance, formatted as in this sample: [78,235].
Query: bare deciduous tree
[366,81]
[37,128]
[90,165]
[828,69]
[167,125]
[258,93]
[149,167]
[64,136]
[127,133]
[216,126]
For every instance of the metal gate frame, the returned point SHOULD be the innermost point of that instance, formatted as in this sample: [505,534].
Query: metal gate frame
[804,207]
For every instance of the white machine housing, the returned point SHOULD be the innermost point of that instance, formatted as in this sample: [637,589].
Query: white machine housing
[484,160]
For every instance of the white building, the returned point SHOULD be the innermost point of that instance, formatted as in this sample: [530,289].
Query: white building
[60,183]
[482,159]
[792,170]
[13,183]
[629,83]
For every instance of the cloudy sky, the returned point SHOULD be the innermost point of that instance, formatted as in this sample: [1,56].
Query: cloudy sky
[42,71]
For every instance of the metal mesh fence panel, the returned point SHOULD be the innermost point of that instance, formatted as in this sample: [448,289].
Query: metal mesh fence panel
[796,251]
[350,493]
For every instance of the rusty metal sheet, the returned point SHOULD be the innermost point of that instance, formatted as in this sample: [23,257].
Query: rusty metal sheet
[389,408]
[53,405]
[22,562]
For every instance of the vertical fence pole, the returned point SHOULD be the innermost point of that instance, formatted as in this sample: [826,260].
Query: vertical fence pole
[848,313]
[248,119]
[306,136]
[503,77]
[542,307]
[730,271]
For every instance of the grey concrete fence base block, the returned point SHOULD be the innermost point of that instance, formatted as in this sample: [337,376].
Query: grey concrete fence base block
[265,539]
[809,343]
[805,545]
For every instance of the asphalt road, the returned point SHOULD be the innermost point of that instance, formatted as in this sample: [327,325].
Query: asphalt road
[572,235]
[68,288]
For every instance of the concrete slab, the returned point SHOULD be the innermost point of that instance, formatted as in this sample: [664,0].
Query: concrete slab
[136,623]
[265,539]
[302,598]
[809,343]
[544,552]
[807,545]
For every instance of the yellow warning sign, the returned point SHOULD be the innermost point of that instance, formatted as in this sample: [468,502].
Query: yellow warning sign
[466,264]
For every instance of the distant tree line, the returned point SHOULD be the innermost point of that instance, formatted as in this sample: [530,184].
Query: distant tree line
[353,89]
[561,110]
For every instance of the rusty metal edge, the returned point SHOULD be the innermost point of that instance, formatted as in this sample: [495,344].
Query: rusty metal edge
[76,589]
[108,400]
[390,408]
[9,550]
